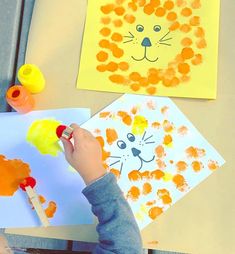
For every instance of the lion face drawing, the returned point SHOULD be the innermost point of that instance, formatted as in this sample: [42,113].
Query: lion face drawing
[145,44]
[153,159]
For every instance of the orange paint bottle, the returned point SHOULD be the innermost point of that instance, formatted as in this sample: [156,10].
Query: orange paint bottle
[19,98]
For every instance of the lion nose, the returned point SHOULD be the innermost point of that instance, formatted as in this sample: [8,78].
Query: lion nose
[135,152]
[146,42]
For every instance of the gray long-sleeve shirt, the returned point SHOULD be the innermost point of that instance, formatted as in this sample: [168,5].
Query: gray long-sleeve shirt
[117,228]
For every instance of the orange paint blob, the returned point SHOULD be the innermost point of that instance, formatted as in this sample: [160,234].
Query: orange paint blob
[117,52]
[160,12]
[117,23]
[156,125]
[154,212]
[153,79]
[186,42]
[164,195]
[167,126]
[135,76]
[174,26]
[116,172]
[160,151]
[105,31]
[167,140]
[102,56]
[171,16]
[105,154]
[169,5]
[197,59]
[101,68]
[125,117]
[12,173]
[157,174]
[197,166]
[186,12]
[129,18]
[180,182]
[51,209]
[147,188]
[187,53]
[149,9]
[183,130]
[112,66]
[105,20]
[181,165]
[111,136]
[118,79]
[135,87]
[116,37]
[108,8]
[196,4]
[151,90]
[119,11]
[184,68]
[135,175]
[194,152]
[201,44]
[195,21]
[199,32]
[150,203]
[124,66]
[104,44]
[104,114]
[132,6]
[213,165]
[161,164]
[146,175]
[133,193]
[185,28]
[164,109]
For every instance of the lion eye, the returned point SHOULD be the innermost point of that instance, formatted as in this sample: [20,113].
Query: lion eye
[131,137]
[140,28]
[157,28]
[121,144]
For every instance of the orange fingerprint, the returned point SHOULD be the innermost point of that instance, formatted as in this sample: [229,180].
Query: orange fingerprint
[105,31]
[111,136]
[171,16]
[151,105]
[132,6]
[174,26]
[186,42]
[150,203]
[179,3]
[199,32]
[156,125]
[134,110]
[169,5]
[181,165]
[164,109]
[117,23]
[129,18]
[106,9]
[160,12]
[167,126]
[135,175]
[133,193]
[146,175]
[196,4]
[125,117]
[135,76]
[161,164]
[197,59]
[180,182]
[12,173]
[143,82]
[153,79]
[185,28]
[149,9]
[186,12]
[116,78]
[194,152]
[187,53]
[151,90]
[195,21]
[101,68]
[112,66]
[124,66]
[117,52]
[183,130]
[119,2]
[201,44]
[51,209]
[185,78]
[116,172]
[116,37]
[160,151]
[135,87]
[213,165]
[154,212]
[183,68]
[147,188]
[167,140]
[157,174]
[105,154]
[164,195]
[105,20]
[104,114]
[141,2]
[104,44]
[42,199]
[197,166]
[119,11]
[102,56]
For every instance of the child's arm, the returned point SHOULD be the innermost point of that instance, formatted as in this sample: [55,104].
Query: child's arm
[117,229]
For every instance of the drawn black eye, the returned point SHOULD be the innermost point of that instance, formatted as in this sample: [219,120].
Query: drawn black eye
[121,144]
[131,137]
[140,28]
[157,28]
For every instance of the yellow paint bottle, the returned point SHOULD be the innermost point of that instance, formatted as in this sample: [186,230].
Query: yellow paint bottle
[31,77]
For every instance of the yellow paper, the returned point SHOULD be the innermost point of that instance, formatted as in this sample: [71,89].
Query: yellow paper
[157,47]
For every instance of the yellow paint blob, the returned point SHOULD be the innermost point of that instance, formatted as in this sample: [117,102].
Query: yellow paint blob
[140,123]
[42,135]
[167,177]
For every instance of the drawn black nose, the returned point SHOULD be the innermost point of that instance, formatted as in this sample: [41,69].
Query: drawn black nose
[146,42]
[135,152]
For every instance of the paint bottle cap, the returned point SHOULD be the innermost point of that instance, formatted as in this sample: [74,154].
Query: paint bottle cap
[60,129]
[29,181]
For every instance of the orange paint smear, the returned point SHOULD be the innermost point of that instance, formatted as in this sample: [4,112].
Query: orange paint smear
[154,212]
[160,151]
[164,195]
[135,175]
[183,130]
[12,173]
[181,165]
[111,136]
[167,126]
[167,140]
[147,188]
[133,193]
[105,154]
[164,109]
[161,164]
[213,165]
[51,209]
[194,152]
[180,182]
[125,117]
[157,174]
[146,175]
[104,114]
[197,166]
[116,172]
[156,125]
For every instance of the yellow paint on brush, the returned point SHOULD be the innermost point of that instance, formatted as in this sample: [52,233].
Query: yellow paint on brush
[42,135]
[139,125]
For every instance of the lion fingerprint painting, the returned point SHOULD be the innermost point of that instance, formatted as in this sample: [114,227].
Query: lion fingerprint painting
[161,47]
[155,153]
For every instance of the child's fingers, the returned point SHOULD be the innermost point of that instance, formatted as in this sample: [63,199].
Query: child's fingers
[74,126]
[68,148]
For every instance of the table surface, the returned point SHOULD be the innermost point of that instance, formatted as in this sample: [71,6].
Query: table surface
[203,221]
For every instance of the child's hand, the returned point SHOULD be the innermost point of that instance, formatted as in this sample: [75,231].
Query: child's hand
[86,155]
